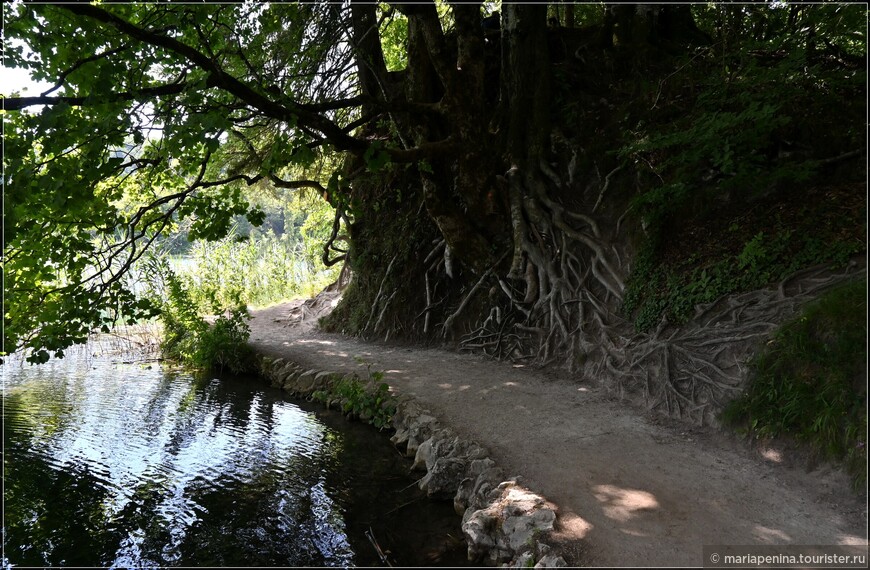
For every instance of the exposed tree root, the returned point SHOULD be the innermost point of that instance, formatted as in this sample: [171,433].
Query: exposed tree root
[378,298]
[701,365]
[448,324]
[560,298]
[555,296]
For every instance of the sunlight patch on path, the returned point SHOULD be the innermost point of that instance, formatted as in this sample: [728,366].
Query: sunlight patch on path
[624,504]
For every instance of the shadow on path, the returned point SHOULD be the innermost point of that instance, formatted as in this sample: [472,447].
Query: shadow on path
[632,489]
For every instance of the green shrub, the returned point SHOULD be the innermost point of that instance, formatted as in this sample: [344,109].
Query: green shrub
[188,338]
[810,381]
[370,399]
[225,343]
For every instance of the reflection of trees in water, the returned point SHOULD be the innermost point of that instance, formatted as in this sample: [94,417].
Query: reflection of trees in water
[272,521]
[177,471]
[242,469]
[42,404]
[54,517]
[125,466]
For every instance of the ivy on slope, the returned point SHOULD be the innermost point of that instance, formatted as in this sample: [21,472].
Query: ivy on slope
[673,289]
[749,180]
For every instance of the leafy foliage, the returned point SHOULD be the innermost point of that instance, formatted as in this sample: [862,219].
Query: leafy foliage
[191,340]
[733,143]
[394,39]
[810,381]
[369,399]
[49,248]
[156,119]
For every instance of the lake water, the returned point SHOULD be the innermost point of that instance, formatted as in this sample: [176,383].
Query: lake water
[113,462]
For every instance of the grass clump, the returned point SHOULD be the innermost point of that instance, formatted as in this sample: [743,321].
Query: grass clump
[810,381]
[369,400]
[187,337]
[255,271]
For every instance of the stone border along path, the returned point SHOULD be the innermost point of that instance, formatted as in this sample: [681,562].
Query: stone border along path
[628,488]
[501,520]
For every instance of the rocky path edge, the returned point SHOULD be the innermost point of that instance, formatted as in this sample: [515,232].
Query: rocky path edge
[602,483]
[502,521]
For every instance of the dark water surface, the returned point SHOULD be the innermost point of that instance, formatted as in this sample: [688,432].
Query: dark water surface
[120,464]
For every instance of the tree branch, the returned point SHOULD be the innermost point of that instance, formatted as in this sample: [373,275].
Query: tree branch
[285,111]
[18,103]
[80,63]
[294,184]
[426,150]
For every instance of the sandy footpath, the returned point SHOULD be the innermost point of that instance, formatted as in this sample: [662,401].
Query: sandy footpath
[632,489]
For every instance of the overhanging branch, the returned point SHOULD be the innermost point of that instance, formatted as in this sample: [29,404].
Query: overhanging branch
[285,110]
[295,184]
[18,103]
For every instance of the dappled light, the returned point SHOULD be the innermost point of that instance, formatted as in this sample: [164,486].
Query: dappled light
[619,249]
[574,526]
[623,505]
[772,455]
[317,342]
[333,353]
[767,535]
[852,540]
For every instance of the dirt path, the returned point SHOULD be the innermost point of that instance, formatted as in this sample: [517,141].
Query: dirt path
[632,489]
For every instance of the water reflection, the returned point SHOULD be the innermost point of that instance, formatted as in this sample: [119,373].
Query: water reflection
[121,465]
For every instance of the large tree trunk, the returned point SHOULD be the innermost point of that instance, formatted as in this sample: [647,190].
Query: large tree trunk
[526,81]
[370,63]
[638,26]
[525,86]
[561,266]
[561,271]
[453,189]
[569,13]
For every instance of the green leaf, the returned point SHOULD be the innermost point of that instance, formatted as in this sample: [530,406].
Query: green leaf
[375,157]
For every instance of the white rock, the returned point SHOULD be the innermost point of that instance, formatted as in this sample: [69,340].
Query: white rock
[551,561]
[423,457]
[524,560]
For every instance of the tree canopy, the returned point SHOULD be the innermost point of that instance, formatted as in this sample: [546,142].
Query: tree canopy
[163,112]
[156,114]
